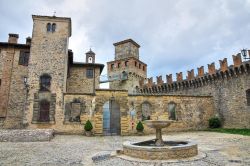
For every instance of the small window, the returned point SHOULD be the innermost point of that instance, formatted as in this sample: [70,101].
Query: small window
[143,68]
[89,73]
[48,27]
[53,27]
[139,65]
[248,97]
[112,66]
[126,63]
[118,65]
[172,111]
[45,82]
[24,58]
[135,64]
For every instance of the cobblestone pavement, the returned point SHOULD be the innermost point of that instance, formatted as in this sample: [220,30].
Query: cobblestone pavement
[221,149]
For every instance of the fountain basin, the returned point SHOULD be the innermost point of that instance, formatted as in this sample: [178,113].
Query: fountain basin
[170,150]
[158,124]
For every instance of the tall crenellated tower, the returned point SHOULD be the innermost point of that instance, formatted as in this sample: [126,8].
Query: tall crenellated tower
[48,68]
[126,71]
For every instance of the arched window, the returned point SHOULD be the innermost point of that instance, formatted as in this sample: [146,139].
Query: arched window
[44,111]
[53,27]
[48,27]
[126,63]
[146,110]
[248,97]
[172,111]
[45,82]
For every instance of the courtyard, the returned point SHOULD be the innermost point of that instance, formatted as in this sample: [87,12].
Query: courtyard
[216,148]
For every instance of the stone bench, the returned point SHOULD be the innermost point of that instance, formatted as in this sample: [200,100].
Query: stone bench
[35,135]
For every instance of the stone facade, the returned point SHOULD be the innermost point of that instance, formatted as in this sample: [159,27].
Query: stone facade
[227,85]
[52,91]
[78,82]
[12,90]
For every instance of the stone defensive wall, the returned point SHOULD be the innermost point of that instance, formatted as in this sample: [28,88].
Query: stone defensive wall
[228,86]
[192,112]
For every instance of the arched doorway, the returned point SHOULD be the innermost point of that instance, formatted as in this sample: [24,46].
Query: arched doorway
[111,118]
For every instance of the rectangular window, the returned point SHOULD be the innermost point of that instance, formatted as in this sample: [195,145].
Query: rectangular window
[90,73]
[24,58]
[119,65]
[139,65]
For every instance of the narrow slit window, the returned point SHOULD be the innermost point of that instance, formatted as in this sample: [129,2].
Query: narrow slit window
[53,27]
[248,97]
[49,27]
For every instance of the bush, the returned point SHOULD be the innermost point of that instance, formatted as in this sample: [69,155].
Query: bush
[139,126]
[214,122]
[88,126]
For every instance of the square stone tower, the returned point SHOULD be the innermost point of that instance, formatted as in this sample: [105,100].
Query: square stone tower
[48,68]
[126,71]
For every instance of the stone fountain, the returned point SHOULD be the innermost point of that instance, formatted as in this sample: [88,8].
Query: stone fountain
[158,125]
[158,149]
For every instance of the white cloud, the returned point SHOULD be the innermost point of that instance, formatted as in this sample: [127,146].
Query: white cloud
[174,35]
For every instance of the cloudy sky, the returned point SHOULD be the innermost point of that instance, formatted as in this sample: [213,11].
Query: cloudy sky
[175,35]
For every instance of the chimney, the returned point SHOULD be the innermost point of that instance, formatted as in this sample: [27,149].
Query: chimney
[28,40]
[13,38]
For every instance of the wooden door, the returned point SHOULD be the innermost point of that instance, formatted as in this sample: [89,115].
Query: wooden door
[44,111]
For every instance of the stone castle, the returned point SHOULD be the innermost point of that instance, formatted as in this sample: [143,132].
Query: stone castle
[42,87]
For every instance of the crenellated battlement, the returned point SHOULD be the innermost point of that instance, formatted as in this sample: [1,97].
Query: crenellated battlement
[193,81]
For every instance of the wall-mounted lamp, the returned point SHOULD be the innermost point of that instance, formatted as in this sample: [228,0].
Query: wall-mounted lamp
[244,53]
[25,82]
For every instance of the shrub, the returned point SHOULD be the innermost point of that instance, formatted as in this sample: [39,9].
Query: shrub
[88,126]
[139,126]
[214,122]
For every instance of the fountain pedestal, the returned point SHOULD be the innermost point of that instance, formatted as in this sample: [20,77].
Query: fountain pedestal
[158,125]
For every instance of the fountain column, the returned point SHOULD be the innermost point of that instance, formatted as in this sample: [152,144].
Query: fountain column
[159,140]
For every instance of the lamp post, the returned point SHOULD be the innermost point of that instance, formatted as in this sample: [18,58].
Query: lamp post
[26,86]
[244,53]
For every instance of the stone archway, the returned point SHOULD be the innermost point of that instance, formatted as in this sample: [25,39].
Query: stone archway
[111,118]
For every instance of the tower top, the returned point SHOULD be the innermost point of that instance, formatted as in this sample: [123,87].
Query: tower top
[90,56]
[127,41]
[126,49]
[53,19]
